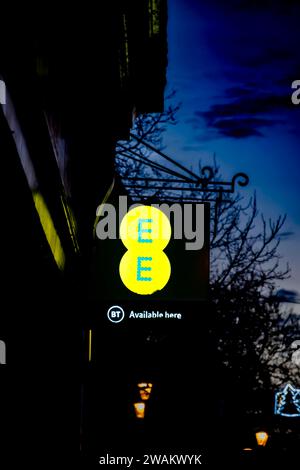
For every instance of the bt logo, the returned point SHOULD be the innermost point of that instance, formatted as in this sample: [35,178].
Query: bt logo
[145,268]
[115,314]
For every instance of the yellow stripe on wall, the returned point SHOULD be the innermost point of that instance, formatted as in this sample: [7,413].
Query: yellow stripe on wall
[49,229]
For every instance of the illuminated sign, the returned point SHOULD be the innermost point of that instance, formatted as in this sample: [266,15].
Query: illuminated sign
[145,268]
[287,402]
[150,252]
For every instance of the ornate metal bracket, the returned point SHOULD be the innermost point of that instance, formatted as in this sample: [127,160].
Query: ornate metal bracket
[192,187]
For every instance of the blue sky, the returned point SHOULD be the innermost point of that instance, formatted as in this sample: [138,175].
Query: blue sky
[232,64]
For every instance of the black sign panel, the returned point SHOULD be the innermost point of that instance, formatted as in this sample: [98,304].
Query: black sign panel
[189,277]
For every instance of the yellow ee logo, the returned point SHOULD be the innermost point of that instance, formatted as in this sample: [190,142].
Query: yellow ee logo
[145,268]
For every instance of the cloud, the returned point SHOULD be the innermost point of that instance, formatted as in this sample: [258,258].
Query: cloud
[238,116]
[270,56]
[289,296]
[249,5]
[194,122]
[241,128]
[191,148]
[285,235]
[239,91]
[247,106]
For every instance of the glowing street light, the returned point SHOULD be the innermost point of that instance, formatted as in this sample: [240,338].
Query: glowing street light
[139,409]
[145,390]
[261,438]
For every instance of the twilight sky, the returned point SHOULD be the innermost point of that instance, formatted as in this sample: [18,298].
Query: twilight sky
[232,64]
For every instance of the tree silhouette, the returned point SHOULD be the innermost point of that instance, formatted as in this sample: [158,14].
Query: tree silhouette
[254,332]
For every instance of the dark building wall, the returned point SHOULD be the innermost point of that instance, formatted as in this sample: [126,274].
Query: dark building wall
[67,65]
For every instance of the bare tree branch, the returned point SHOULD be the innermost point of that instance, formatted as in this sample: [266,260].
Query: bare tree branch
[255,336]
